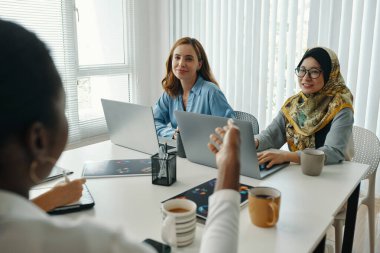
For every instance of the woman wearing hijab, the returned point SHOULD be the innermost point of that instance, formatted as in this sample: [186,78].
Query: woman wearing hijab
[320,116]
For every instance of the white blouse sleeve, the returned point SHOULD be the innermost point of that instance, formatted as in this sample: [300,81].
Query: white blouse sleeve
[222,227]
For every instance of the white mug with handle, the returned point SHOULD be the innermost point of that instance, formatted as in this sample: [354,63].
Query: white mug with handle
[179,222]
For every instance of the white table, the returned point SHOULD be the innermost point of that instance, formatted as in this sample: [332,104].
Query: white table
[308,204]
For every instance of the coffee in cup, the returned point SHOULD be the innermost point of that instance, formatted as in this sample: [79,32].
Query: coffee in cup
[312,161]
[178,210]
[264,206]
[179,222]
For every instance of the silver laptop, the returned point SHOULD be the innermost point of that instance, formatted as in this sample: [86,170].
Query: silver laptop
[195,131]
[132,126]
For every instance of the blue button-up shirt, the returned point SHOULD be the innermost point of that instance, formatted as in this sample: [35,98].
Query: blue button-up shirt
[204,98]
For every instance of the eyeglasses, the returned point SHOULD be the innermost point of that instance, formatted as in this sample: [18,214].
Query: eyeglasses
[313,72]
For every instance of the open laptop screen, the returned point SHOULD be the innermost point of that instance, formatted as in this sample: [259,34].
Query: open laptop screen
[195,131]
[131,125]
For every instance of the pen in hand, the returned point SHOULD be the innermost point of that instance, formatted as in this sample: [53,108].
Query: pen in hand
[67,180]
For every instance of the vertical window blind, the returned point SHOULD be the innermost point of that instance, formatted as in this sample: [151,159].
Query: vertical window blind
[254,46]
[352,29]
[54,22]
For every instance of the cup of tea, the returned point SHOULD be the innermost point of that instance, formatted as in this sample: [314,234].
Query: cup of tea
[264,206]
[312,161]
[179,222]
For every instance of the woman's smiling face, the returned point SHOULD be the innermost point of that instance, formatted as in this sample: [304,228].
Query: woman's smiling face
[307,84]
[185,62]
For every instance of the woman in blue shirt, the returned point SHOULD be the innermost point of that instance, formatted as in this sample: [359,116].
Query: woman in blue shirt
[189,86]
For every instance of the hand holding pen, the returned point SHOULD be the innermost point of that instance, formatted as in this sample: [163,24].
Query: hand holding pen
[61,194]
[64,172]
[71,190]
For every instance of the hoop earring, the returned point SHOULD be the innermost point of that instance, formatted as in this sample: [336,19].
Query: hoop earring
[38,163]
[32,172]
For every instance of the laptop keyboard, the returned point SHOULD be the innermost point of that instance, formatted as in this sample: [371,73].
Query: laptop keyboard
[263,166]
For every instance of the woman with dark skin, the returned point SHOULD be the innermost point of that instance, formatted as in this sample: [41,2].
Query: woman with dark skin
[31,114]
[33,134]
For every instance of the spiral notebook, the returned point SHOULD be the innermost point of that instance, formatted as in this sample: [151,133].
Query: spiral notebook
[200,194]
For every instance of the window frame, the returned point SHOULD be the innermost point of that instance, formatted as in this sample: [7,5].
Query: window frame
[97,126]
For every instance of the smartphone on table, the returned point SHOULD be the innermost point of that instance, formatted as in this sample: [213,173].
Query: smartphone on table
[160,247]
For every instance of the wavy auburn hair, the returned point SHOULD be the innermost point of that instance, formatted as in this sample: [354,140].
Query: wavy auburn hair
[171,83]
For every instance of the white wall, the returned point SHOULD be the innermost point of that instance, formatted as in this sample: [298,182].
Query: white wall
[152,48]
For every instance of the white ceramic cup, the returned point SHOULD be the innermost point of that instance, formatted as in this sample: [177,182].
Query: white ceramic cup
[179,222]
[312,161]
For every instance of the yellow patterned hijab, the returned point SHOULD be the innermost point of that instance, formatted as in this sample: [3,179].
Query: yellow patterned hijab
[307,114]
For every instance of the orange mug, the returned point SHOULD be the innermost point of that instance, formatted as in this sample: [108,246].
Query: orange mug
[264,206]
